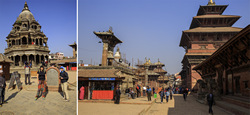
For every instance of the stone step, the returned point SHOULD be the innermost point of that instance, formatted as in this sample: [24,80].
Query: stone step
[243,102]
[238,110]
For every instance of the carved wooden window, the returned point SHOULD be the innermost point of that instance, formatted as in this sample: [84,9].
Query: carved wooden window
[203,46]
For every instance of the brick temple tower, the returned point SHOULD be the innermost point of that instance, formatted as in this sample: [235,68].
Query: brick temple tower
[208,31]
[26,42]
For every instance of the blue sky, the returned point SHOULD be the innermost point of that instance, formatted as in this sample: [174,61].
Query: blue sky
[57,18]
[148,28]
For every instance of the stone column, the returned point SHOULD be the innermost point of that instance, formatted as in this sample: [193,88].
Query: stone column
[14,59]
[146,75]
[104,53]
[21,60]
[40,59]
[28,56]
[34,61]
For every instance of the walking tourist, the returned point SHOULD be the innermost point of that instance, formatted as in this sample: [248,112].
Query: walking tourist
[162,95]
[210,100]
[27,73]
[2,89]
[153,90]
[148,91]
[144,91]
[171,93]
[167,95]
[64,84]
[41,78]
[185,92]
[117,94]
[138,90]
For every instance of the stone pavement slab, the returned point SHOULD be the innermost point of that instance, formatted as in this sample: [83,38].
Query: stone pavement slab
[109,109]
[23,103]
[192,107]
[161,108]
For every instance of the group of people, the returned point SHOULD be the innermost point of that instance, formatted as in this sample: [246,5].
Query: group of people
[167,92]
[42,82]
[41,78]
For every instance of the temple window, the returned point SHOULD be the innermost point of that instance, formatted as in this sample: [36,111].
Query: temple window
[25,25]
[246,84]
[203,47]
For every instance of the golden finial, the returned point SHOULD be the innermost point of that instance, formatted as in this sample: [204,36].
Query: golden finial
[211,3]
[149,60]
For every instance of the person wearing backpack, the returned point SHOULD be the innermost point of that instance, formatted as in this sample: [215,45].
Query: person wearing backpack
[148,91]
[27,73]
[138,89]
[162,95]
[171,94]
[2,89]
[64,84]
[167,95]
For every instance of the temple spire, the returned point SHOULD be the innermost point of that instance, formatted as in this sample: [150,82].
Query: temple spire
[26,6]
[211,3]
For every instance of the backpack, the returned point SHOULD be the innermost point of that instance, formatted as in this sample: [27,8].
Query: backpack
[2,81]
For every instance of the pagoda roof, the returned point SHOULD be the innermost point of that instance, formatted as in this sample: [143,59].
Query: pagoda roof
[217,16]
[149,73]
[185,40]
[4,59]
[161,78]
[202,9]
[160,70]
[198,54]
[213,29]
[195,22]
[109,33]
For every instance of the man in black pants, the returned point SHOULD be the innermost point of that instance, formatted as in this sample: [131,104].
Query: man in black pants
[118,94]
[2,89]
[210,100]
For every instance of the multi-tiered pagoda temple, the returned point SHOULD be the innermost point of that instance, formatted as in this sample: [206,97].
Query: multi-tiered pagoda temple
[208,31]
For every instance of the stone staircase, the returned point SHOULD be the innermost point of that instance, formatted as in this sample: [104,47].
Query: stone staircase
[235,104]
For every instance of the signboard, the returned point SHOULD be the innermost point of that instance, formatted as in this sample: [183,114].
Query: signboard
[15,76]
[53,77]
[101,78]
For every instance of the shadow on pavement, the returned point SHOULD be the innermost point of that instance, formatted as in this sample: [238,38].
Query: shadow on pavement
[13,95]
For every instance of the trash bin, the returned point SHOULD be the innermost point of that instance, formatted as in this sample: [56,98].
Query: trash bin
[155,95]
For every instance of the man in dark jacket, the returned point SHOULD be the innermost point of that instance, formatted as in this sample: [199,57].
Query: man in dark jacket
[118,95]
[2,88]
[210,100]
[64,84]
[148,91]
[138,90]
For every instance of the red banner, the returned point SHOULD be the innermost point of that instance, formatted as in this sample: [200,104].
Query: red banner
[102,94]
